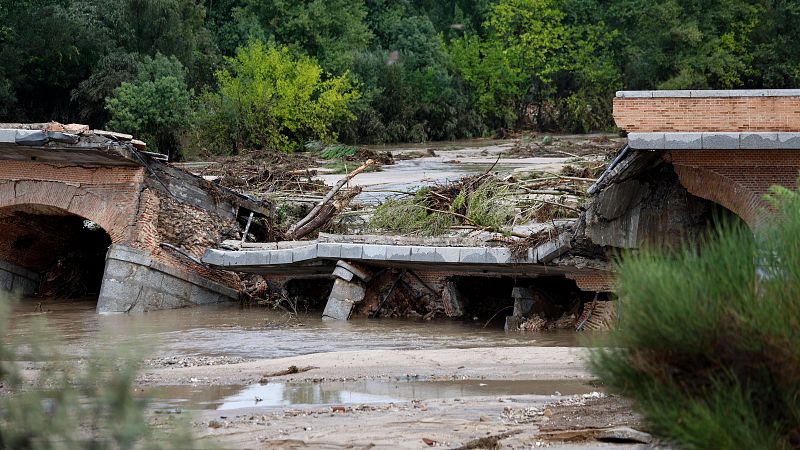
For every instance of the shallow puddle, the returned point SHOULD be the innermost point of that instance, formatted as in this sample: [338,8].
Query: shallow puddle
[356,392]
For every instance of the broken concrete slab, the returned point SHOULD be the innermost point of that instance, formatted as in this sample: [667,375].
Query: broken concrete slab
[342,299]
[551,250]
[472,255]
[329,250]
[361,272]
[447,254]
[351,251]
[398,253]
[344,274]
[304,253]
[372,251]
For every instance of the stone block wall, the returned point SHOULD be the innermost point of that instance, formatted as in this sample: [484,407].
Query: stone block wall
[17,280]
[136,282]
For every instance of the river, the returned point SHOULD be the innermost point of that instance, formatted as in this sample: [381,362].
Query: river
[228,330]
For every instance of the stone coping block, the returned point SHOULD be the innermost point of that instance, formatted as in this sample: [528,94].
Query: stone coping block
[722,140]
[231,259]
[706,93]
[19,271]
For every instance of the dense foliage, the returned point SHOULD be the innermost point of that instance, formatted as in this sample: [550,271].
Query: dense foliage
[707,343]
[271,99]
[423,69]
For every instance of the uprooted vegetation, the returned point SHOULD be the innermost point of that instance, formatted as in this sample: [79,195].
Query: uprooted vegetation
[486,202]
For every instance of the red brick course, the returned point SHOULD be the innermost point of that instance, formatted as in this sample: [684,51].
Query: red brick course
[707,114]
[595,282]
[736,179]
[108,196]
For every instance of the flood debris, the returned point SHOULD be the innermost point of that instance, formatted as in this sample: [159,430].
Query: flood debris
[331,204]
[291,370]
[488,442]
[485,202]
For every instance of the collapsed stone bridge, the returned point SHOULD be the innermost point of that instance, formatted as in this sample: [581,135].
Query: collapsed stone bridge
[94,205]
[692,158]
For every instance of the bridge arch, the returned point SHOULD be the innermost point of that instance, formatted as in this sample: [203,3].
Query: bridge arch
[109,206]
[51,251]
[724,191]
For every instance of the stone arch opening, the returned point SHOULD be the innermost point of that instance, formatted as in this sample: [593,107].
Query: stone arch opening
[46,251]
[744,203]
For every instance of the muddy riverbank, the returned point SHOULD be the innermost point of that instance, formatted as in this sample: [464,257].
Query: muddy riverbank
[248,378]
[509,397]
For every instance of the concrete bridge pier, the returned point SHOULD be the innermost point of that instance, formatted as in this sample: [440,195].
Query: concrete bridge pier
[524,300]
[348,289]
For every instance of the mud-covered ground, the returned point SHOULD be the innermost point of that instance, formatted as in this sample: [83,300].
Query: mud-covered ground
[504,417]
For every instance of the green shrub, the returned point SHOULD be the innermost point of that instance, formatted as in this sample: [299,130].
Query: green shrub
[337,152]
[269,98]
[411,215]
[154,106]
[708,343]
[64,407]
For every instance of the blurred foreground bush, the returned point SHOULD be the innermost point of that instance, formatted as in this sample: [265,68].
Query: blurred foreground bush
[708,343]
[61,407]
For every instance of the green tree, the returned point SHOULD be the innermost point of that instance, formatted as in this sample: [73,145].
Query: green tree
[91,93]
[47,48]
[272,99]
[533,57]
[685,44]
[328,30]
[776,59]
[707,343]
[155,106]
[409,90]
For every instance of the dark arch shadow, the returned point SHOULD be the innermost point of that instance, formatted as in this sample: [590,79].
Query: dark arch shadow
[59,254]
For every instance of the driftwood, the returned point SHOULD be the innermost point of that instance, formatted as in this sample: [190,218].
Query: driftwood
[325,214]
[326,208]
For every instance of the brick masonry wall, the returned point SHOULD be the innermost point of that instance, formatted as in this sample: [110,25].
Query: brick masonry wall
[736,179]
[162,219]
[108,196]
[595,282]
[707,114]
[117,199]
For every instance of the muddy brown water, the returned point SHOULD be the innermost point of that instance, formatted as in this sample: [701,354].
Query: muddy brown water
[256,333]
[227,330]
[346,393]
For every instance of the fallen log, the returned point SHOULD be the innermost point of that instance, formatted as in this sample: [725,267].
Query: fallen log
[325,214]
[323,211]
